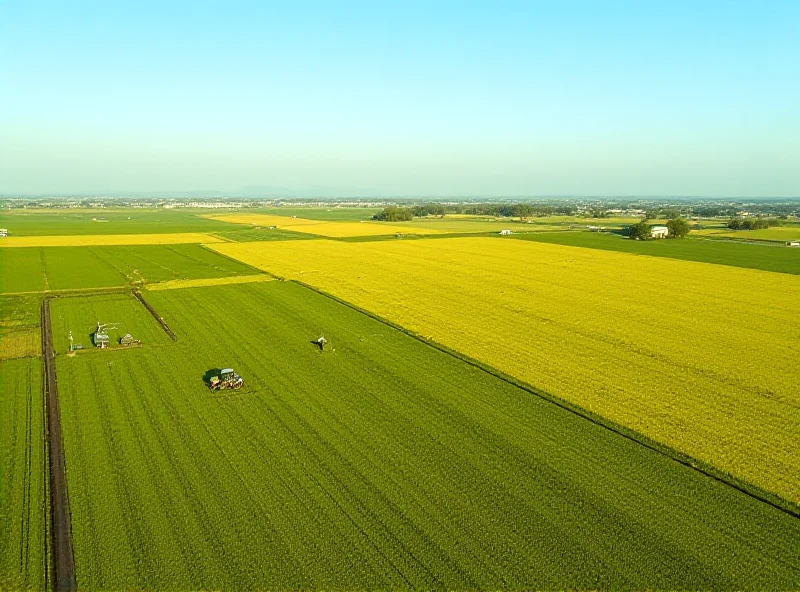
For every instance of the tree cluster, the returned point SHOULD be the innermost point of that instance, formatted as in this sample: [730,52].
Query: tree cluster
[394,214]
[429,210]
[678,228]
[752,223]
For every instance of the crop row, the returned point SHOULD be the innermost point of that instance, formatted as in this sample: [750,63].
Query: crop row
[24,502]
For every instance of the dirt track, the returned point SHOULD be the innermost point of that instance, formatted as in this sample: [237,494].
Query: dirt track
[59,498]
[153,312]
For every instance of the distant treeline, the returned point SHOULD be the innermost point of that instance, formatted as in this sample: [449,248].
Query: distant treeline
[397,213]
[752,223]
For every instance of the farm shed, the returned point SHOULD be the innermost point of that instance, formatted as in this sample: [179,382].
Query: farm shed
[101,340]
[505,232]
[789,244]
[659,232]
[3,232]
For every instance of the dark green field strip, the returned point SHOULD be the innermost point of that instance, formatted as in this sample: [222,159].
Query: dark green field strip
[39,269]
[263,234]
[129,221]
[737,254]
[318,213]
[156,263]
[380,463]
[21,270]
[24,502]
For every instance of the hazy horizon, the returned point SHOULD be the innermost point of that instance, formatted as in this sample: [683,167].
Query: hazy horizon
[423,99]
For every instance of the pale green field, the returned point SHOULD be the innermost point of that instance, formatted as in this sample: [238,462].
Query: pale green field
[777,233]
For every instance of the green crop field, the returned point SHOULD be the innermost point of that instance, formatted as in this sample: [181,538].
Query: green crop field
[108,221]
[36,269]
[789,232]
[263,234]
[334,214]
[81,315]
[378,463]
[23,477]
[738,254]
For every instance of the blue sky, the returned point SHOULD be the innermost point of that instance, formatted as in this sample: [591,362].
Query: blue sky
[409,98]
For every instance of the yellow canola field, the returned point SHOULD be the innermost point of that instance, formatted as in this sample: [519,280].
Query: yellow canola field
[94,240]
[701,357]
[324,227]
[199,283]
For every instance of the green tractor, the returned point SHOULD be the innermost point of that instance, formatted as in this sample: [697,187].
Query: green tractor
[226,379]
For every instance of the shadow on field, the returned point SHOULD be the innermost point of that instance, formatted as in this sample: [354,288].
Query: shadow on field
[210,374]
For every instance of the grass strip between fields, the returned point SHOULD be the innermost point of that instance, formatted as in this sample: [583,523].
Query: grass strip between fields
[177,284]
[705,468]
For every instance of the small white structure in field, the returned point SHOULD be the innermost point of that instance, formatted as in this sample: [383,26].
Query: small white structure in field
[3,232]
[789,244]
[505,232]
[659,232]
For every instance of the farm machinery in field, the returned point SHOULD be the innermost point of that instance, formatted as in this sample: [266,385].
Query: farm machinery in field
[226,379]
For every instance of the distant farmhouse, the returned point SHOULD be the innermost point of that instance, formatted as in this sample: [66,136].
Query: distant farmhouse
[505,232]
[659,232]
[3,232]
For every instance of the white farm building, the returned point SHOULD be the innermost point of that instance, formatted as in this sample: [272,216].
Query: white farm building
[659,232]
[505,232]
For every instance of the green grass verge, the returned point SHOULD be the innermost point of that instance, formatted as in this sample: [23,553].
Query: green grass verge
[737,254]
[379,463]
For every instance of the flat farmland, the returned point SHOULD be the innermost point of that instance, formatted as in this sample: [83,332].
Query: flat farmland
[81,315]
[60,222]
[107,239]
[332,214]
[666,348]
[378,463]
[776,233]
[24,503]
[750,255]
[42,269]
[326,228]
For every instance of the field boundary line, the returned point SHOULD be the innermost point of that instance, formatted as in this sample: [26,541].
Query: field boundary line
[149,307]
[210,248]
[71,291]
[753,491]
[59,495]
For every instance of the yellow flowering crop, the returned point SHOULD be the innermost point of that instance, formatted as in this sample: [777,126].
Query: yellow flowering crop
[701,357]
[325,228]
[92,240]
[198,283]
